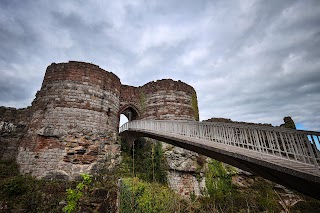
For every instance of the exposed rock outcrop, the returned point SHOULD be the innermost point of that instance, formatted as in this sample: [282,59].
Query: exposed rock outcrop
[288,123]
[184,169]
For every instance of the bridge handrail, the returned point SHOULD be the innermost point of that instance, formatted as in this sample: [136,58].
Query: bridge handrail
[296,145]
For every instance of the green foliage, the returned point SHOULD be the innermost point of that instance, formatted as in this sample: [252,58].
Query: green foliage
[195,108]
[149,161]
[124,144]
[222,195]
[8,169]
[266,198]
[14,186]
[289,123]
[146,197]
[218,180]
[74,195]
[22,193]
[142,102]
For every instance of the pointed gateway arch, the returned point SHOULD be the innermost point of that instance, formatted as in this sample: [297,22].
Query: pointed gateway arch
[130,111]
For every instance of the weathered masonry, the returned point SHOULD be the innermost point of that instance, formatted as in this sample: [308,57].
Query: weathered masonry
[72,125]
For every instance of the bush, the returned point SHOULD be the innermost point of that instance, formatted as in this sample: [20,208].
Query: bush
[218,180]
[14,186]
[22,193]
[146,197]
[8,169]
[74,195]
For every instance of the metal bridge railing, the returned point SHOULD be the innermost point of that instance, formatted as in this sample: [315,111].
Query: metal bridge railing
[294,145]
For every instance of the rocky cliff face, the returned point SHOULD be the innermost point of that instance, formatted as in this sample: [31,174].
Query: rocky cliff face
[186,170]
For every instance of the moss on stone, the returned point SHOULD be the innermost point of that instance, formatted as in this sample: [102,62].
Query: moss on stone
[143,102]
[195,106]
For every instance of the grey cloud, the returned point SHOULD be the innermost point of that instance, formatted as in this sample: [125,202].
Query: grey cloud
[252,61]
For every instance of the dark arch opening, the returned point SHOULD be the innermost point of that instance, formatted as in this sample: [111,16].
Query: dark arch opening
[130,111]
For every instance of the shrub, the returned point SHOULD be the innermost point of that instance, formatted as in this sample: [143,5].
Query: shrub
[146,197]
[8,169]
[218,180]
[14,186]
[74,195]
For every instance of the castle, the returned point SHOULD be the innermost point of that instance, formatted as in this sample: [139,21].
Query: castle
[72,125]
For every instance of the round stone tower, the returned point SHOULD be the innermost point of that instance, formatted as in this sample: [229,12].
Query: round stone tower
[167,100]
[75,97]
[74,121]
[162,100]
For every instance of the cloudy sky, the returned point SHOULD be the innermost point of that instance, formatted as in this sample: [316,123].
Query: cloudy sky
[248,60]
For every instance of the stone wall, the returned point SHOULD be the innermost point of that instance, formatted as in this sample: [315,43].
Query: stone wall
[15,116]
[74,121]
[131,101]
[162,100]
[13,126]
[185,173]
[168,100]
[72,125]
[77,96]
[10,138]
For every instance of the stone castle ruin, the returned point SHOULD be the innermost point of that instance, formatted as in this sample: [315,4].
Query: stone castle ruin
[72,125]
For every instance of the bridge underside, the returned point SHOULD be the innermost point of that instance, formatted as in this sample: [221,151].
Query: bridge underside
[307,184]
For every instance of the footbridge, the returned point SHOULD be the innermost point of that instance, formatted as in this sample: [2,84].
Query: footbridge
[288,157]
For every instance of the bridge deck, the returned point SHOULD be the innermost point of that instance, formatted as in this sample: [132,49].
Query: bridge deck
[277,161]
[288,157]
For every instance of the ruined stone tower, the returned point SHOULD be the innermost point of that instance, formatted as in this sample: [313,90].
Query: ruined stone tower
[74,121]
[76,97]
[72,125]
[163,100]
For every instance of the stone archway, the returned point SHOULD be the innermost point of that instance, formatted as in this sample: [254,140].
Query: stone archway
[130,111]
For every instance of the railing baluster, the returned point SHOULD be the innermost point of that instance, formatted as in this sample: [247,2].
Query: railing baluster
[300,146]
[316,151]
[291,146]
[256,134]
[296,147]
[312,154]
[277,143]
[246,139]
[269,140]
[304,142]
